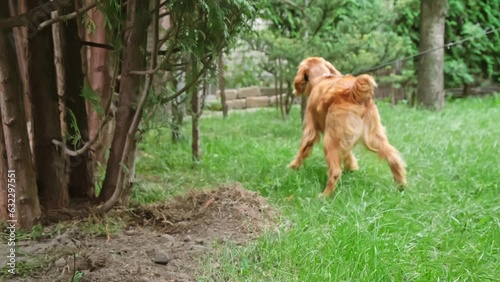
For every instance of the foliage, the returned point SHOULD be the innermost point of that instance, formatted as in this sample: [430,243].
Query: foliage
[473,61]
[444,226]
[342,31]
[200,31]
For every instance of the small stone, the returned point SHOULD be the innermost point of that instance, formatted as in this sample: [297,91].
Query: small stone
[60,262]
[199,241]
[198,248]
[166,238]
[130,232]
[161,258]
[187,238]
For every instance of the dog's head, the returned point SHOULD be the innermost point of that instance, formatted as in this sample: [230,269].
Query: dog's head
[309,71]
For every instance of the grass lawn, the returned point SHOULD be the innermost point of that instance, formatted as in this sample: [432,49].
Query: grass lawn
[444,227]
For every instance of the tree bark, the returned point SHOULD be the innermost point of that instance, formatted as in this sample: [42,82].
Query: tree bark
[99,74]
[430,91]
[3,175]
[50,164]
[15,134]
[222,85]
[133,60]
[21,41]
[81,179]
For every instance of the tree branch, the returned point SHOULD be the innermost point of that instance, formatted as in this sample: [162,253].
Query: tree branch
[25,19]
[65,17]
[187,86]
[98,45]
[85,147]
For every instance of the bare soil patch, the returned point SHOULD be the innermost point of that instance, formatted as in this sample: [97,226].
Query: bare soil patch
[162,242]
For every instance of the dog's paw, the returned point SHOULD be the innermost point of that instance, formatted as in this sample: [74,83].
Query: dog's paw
[401,184]
[294,165]
[323,196]
[352,168]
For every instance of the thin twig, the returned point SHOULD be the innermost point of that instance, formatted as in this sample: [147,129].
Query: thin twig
[187,86]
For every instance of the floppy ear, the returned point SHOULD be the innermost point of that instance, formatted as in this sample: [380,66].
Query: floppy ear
[332,69]
[300,80]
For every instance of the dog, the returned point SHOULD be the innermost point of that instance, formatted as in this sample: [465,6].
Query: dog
[342,108]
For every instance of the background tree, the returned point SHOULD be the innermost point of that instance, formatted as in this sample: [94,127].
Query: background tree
[430,73]
[130,84]
[50,162]
[474,62]
[15,136]
[471,63]
[85,86]
[340,31]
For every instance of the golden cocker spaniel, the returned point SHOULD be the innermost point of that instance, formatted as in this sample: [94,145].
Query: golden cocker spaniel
[342,108]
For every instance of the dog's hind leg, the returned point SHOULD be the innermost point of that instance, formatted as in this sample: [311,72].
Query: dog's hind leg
[375,140]
[342,130]
[310,135]
[350,162]
[332,155]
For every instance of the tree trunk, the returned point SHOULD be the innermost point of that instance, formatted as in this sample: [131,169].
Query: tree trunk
[290,97]
[15,135]
[21,41]
[195,112]
[50,163]
[3,175]
[222,85]
[81,179]
[133,60]
[303,106]
[99,74]
[177,113]
[430,71]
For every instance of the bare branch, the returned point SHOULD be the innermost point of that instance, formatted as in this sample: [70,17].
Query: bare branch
[98,45]
[65,17]
[187,86]
[85,147]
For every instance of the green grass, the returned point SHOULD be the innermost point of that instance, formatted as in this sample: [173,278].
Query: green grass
[444,227]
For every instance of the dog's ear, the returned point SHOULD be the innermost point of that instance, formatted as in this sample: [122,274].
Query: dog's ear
[332,69]
[300,80]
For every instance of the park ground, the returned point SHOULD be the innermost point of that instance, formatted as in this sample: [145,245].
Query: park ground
[241,215]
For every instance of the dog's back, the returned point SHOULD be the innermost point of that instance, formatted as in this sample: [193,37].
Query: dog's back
[347,89]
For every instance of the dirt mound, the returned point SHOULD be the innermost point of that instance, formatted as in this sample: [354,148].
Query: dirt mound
[230,210]
[162,242]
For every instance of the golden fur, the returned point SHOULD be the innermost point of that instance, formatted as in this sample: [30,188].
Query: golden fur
[342,108]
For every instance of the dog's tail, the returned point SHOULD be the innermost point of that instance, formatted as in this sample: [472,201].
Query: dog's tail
[363,88]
